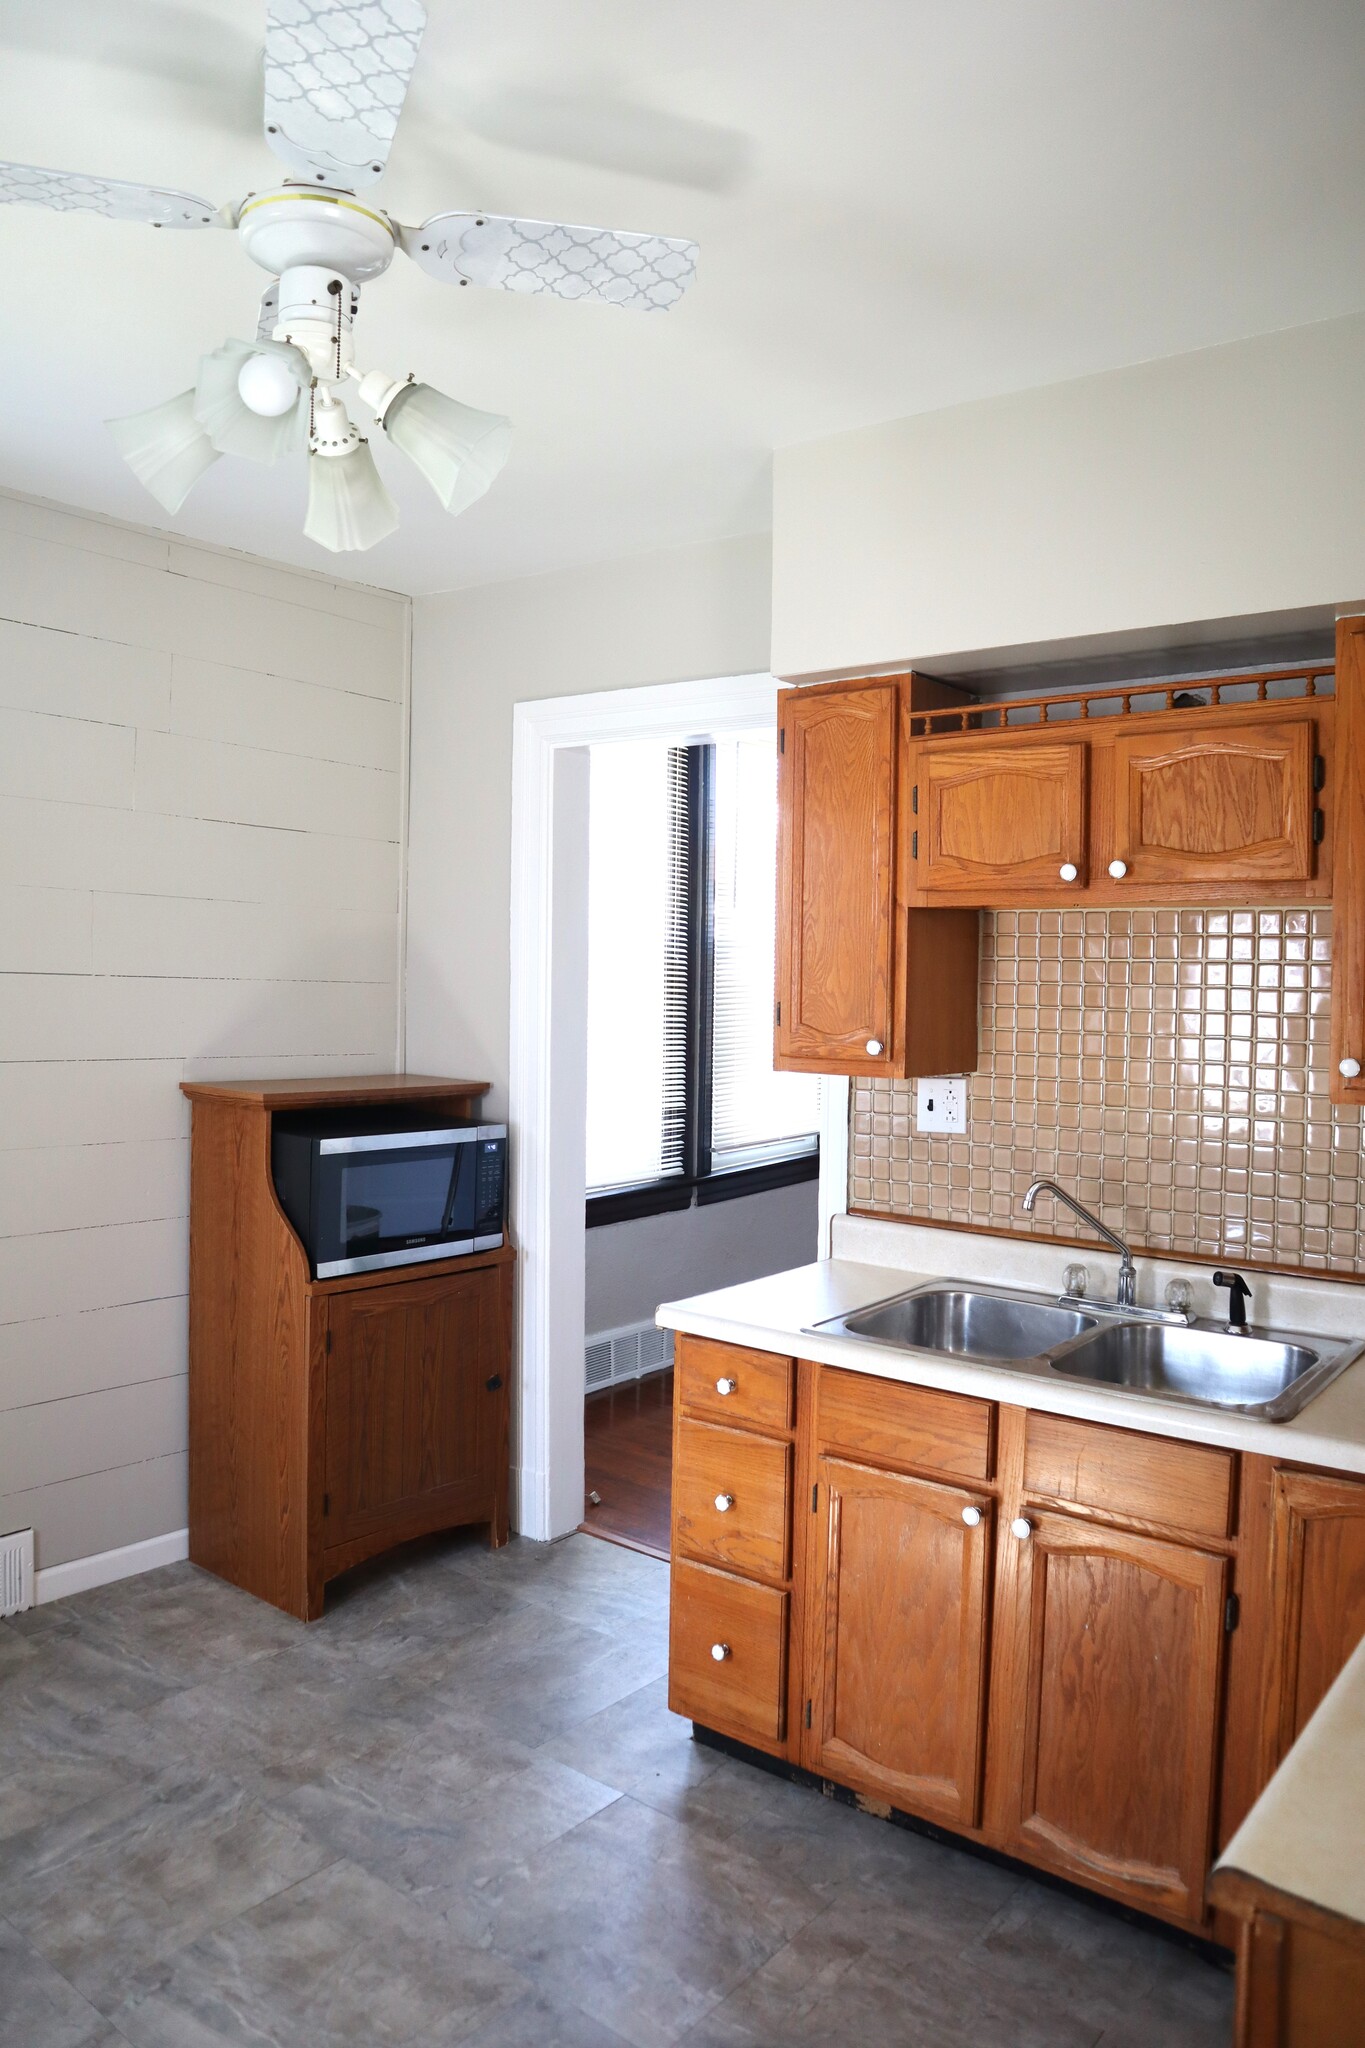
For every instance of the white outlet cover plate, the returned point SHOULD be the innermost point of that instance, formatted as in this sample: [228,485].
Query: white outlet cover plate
[941,1103]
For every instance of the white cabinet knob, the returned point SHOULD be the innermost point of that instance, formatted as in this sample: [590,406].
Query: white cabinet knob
[874,1046]
[726,1386]
[720,1651]
[1348,1069]
[1118,869]
[724,1503]
[971,1516]
[1068,870]
[1022,1528]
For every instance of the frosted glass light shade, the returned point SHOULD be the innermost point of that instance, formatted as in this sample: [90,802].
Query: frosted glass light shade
[348,506]
[458,450]
[166,449]
[230,423]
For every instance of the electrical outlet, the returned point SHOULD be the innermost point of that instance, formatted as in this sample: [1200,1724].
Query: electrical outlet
[941,1103]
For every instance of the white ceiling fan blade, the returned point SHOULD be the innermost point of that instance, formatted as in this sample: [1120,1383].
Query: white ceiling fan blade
[647,272]
[336,75]
[71,192]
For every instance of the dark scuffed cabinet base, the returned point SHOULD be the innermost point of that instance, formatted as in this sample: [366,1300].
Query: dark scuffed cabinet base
[330,1420]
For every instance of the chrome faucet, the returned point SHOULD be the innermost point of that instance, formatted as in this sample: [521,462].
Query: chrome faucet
[1127,1288]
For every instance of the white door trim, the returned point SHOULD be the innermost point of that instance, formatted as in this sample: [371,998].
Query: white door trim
[548,1059]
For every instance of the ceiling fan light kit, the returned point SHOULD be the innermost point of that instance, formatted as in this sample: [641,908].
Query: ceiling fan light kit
[336,75]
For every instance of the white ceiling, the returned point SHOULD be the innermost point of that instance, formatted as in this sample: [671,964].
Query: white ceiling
[900,204]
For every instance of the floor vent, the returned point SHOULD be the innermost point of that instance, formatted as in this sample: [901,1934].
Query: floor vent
[16,1572]
[619,1355]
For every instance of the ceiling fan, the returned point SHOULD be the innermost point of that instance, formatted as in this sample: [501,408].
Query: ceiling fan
[336,75]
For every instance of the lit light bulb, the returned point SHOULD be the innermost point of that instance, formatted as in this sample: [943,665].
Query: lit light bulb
[266,386]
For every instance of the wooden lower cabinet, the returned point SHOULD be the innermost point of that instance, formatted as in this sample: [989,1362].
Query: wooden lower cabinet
[416,1410]
[1014,1624]
[1113,1696]
[898,1595]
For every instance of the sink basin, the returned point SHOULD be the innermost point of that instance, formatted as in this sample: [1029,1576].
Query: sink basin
[967,1324]
[1258,1375]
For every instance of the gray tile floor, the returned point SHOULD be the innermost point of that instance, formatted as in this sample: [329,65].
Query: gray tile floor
[457,1809]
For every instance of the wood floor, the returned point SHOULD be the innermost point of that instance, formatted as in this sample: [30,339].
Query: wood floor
[628,1447]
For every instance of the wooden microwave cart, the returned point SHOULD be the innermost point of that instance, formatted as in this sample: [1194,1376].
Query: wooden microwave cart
[331,1419]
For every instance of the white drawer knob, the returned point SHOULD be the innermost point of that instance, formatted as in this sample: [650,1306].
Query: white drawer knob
[874,1046]
[720,1651]
[971,1516]
[1068,870]
[724,1503]
[726,1386]
[1022,1528]
[1349,1069]
[1118,869]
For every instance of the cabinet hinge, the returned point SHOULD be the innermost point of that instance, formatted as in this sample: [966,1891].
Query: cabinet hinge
[781,739]
[1319,828]
[1319,770]
[777,1013]
[327,1341]
[815,1499]
[914,846]
[914,800]
[326,1503]
[1232,1613]
[808,1708]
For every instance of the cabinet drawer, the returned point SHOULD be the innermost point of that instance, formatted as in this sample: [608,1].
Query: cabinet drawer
[1187,1488]
[734,1384]
[743,1692]
[752,1474]
[915,1426]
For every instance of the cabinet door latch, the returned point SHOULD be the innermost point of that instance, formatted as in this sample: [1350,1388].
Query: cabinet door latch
[494,1383]
[1232,1613]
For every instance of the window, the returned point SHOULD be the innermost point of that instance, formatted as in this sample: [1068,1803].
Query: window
[683,1103]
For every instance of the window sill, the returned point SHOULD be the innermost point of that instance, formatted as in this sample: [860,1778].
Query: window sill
[662,1197]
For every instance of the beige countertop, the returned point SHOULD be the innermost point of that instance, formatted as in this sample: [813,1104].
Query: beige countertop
[874,1260]
[1306,1832]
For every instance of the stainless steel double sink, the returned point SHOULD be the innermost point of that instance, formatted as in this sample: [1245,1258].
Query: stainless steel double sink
[1260,1372]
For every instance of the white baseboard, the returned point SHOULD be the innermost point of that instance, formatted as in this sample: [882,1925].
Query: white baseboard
[59,1581]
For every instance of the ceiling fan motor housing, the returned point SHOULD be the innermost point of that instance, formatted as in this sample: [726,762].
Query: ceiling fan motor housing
[330,230]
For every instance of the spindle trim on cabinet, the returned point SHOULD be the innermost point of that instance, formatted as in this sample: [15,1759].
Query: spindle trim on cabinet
[1054,1636]
[330,1419]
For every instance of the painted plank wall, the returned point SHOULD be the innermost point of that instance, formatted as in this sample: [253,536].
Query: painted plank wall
[201,806]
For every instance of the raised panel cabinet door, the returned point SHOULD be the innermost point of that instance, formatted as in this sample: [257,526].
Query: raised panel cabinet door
[898,1642]
[1230,804]
[411,1417]
[1348,869]
[998,815]
[1318,1603]
[836,876]
[1117,1677]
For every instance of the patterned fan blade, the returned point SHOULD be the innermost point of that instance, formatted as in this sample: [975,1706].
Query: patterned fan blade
[70,192]
[336,75]
[648,272]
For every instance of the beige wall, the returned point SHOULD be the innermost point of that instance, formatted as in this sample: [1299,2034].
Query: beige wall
[669,617]
[1221,485]
[200,803]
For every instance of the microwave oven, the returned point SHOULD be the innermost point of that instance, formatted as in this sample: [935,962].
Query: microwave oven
[367,1190]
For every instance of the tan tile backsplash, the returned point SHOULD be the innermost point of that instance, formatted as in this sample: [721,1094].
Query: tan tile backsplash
[1169,1067]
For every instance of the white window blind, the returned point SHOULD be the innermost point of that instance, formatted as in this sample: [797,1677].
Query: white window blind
[637,962]
[756,1114]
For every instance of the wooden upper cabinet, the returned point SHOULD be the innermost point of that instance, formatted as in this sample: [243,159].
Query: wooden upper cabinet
[1318,1595]
[993,818]
[1348,869]
[1234,802]
[1113,1696]
[898,1638]
[413,1425]
[862,985]
[837,873]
